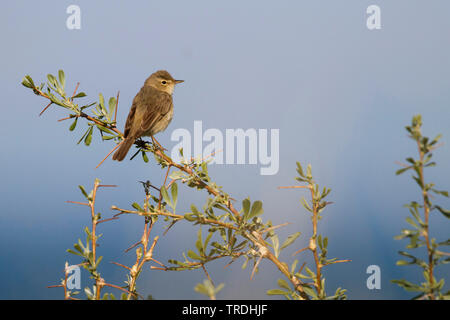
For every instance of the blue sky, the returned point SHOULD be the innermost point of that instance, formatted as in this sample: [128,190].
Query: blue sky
[339,93]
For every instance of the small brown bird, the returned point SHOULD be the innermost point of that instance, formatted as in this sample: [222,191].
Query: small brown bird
[151,111]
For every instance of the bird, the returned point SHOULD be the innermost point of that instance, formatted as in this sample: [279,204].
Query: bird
[151,111]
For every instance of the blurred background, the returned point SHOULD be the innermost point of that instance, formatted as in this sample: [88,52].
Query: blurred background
[339,93]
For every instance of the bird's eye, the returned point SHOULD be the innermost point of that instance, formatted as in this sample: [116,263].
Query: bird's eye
[164,82]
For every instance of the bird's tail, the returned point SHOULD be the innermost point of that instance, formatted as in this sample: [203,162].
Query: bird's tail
[121,153]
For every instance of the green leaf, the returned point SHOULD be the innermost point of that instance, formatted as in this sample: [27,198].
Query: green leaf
[310,292]
[101,101]
[84,135]
[27,83]
[177,175]
[88,139]
[294,265]
[52,80]
[435,140]
[256,209]
[290,240]
[402,263]
[104,129]
[308,172]
[79,95]
[408,286]
[283,284]
[275,292]
[144,156]
[191,254]
[400,171]
[74,124]
[208,237]
[112,107]
[88,293]
[219,287]
[73,252]
[30,80]
[443,192]
[275,244]
[62,79]
[83,191]
[137,207]
[300,169]
[445,212]
[174,192]
[246,207]
[165,195]
[305,204]
[190,217]
[200,288]
[418,181]
[199,242]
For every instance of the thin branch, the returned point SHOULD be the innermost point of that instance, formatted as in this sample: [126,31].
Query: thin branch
[336,261]
[76,202]
[133,246]
[275,227]
[121,265]
[112,150]
[256,266]
[109,219]
[295,187]
[207,274]
[67,118]
[40,114]
[75,91]
[301,250]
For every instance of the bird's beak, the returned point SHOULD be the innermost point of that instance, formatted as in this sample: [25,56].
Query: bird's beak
[178,81]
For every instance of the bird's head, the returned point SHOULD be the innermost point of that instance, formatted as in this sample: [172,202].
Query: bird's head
[162,81]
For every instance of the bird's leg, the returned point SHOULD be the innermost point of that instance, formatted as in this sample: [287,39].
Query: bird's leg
[156,143]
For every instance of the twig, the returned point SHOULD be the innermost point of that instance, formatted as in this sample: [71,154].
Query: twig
[207,274]
[40,114]
[76,202]
[275,227]
[256,266]
[295,187]
[105,220]
[118,145]
[301,250]
[426,210]
[75,91]
[121,265]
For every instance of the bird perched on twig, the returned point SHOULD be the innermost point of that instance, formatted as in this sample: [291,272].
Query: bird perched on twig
[151,111]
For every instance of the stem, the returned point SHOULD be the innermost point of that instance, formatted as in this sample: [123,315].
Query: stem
[98,280]
[313,243]
[426,209]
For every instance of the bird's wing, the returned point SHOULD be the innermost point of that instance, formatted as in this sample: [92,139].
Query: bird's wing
[157,105]
[130,119]
[149,106]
